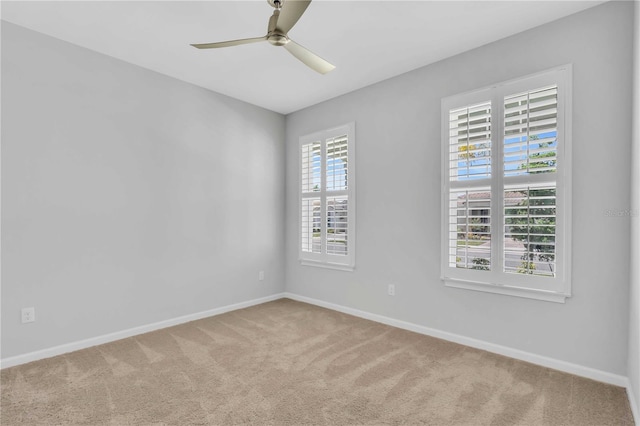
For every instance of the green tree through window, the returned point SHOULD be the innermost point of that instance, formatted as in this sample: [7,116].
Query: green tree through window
[533,220]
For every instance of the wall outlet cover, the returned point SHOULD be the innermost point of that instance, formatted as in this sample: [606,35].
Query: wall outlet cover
[28,315]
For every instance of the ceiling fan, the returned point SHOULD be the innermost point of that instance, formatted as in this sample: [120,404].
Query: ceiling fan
[283,19]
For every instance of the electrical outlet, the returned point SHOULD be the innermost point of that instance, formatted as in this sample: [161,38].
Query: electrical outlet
[28,315]
[261,276]
[391,289]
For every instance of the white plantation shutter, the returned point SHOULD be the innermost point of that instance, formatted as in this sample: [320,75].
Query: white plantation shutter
[530,149]
[337,225]
[470,229]
[311,167]
[530,131]
[337,167]
[327,198]
[469,217]
[337,163]
[470,142]
[311,225]
[311,181]
[530,230]
[506,228]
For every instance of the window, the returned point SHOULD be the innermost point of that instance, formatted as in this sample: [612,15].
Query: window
[507,188]
[327,198]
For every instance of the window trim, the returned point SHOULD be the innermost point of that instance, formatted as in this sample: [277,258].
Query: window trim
[326,260]
[496,281]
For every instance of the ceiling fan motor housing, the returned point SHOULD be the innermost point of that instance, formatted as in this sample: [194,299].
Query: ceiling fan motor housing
[278,39]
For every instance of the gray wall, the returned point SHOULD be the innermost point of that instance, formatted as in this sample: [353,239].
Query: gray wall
[634,291]
[398,222]
[128,197]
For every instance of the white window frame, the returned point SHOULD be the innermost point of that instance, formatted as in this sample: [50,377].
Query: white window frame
[554,289]
[324,259]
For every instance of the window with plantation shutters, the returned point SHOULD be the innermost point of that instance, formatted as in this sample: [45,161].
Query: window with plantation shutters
[507,189]
[327,198]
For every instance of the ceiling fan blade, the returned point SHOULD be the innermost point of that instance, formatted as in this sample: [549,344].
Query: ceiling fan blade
[229,43]
[291,11]
[309,58]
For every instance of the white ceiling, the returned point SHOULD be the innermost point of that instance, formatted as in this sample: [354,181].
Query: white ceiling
[368,41]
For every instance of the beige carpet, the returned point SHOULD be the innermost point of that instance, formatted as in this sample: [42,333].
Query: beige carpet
[291,363]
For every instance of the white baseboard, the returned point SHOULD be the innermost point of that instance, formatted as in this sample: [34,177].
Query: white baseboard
[106,338]
[568,367]
[633,402]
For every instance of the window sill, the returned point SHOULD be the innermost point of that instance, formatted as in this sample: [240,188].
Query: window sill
[336,266]
[546,296]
